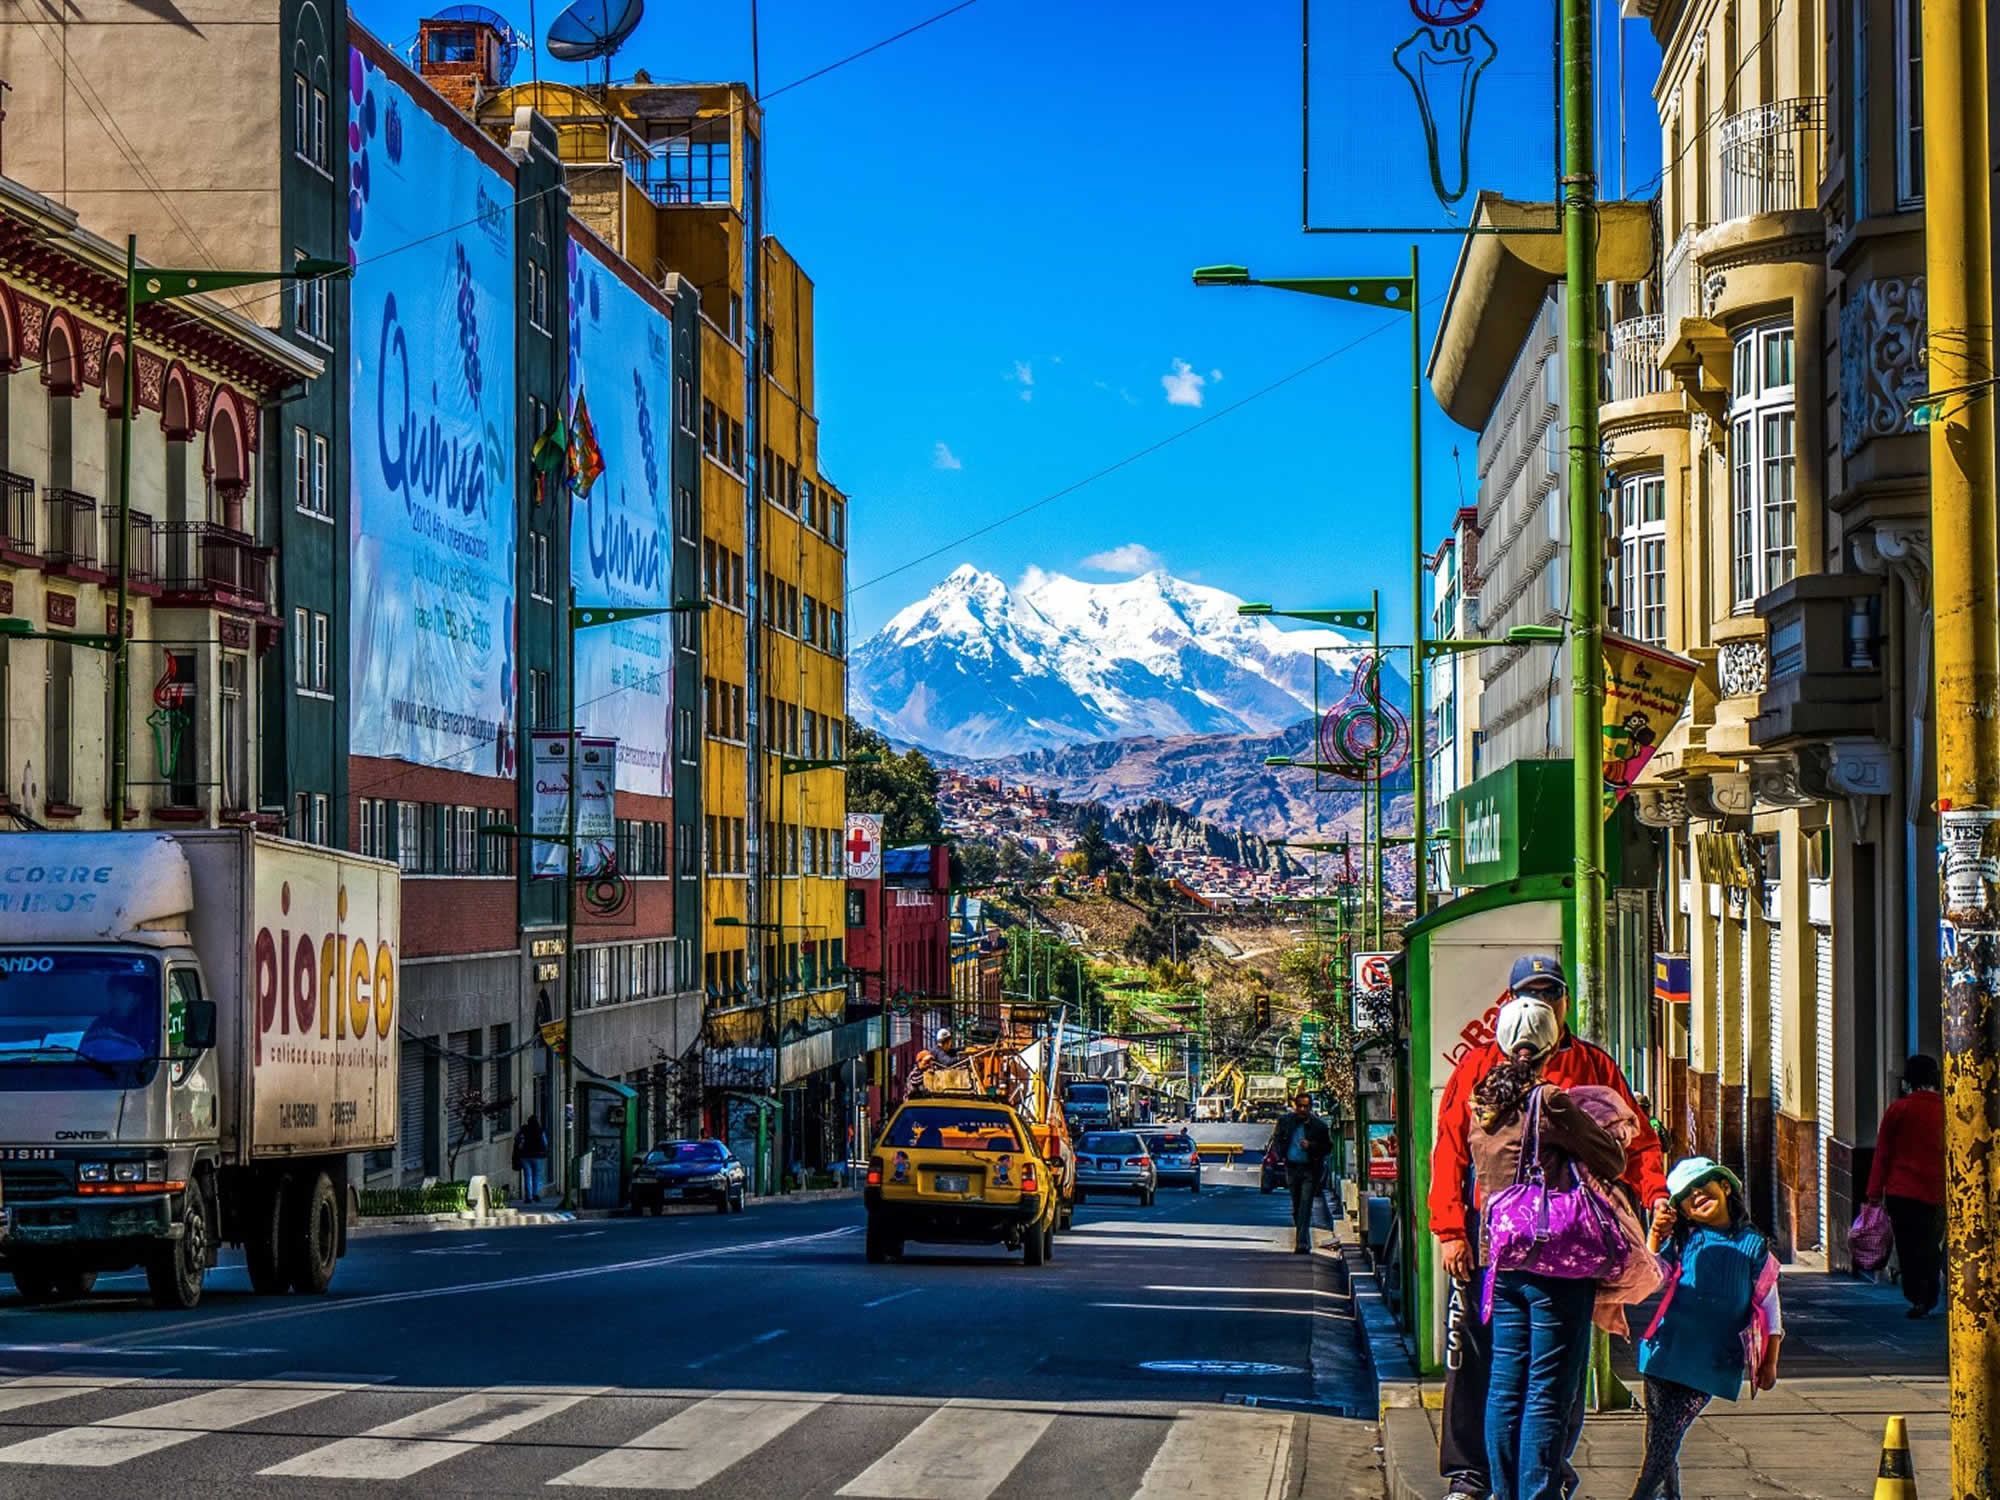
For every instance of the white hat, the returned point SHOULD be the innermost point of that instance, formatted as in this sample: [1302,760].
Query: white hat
[1527,1021]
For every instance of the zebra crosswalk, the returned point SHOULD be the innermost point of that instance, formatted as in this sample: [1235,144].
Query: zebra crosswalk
[292,1436]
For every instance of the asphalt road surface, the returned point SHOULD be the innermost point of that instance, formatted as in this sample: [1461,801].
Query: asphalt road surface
[739,1356]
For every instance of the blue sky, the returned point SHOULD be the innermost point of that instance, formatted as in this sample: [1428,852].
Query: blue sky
[1000,214]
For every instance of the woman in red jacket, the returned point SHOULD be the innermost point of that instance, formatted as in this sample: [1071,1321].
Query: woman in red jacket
[1907,1179]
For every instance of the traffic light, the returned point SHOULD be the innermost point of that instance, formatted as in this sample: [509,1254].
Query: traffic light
[1261,1010]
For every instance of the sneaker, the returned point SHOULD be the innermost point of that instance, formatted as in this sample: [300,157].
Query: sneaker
[1468,1489]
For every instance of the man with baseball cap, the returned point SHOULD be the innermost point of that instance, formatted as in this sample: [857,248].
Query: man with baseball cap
[1468,1342]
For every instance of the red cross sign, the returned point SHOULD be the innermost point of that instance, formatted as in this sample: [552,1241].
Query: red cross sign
[864,846]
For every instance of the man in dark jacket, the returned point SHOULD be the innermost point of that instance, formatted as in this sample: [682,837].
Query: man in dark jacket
[1468,1348]
[1303,1143]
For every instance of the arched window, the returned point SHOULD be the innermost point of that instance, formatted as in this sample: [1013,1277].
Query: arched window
[228,465]
[62,374]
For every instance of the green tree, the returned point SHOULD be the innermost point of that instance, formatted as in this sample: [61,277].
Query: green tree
[1143,865]
[903,788]
[1098,855]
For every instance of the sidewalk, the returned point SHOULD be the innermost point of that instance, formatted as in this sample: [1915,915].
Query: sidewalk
[519,1217]
[1851,1360]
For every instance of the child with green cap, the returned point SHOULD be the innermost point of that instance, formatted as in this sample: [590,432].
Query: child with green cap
[1718,1320]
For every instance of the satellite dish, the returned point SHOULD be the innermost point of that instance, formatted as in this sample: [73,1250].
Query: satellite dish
[591,29]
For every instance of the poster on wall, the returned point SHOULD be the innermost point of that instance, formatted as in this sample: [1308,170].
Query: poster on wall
[431,531]
[1645,690]
[1382,1151]
[621,381]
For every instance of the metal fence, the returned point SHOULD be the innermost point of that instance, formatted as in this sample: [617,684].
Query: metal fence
[1771,158]
[1635,357]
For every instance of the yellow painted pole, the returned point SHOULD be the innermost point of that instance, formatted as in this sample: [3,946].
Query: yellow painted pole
[1966,654]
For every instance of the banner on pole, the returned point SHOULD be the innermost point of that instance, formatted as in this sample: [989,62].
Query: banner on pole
[1645,691]
[548,803]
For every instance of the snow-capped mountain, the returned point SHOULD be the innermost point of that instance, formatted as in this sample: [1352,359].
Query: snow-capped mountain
[976,668]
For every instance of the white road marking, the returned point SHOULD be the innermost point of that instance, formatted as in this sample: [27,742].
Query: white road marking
[762,1338]
[411,1444]
[581,1234]
[312,1307]
[37,1390]
[693,1446]
[894,1297]
[477,1247]
[118,1440]
[1213,1455]
[1256,1291]
[1219,1307]
[962,1451]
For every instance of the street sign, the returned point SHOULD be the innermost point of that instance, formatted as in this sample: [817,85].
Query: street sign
[552,1034]
[1309,1044]
[1372,986]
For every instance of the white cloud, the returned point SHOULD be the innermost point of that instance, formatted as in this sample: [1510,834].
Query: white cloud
[1024,376]
[1183,385]
[943,458]
[1133,558]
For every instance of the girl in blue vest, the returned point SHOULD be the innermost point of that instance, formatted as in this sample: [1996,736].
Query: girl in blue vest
[1718,1320]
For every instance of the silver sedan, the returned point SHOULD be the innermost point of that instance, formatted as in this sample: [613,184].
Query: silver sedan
[1115,1161]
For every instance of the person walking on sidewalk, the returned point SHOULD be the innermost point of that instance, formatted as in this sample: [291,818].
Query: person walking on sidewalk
[1907,1180]
[1303,1143]
[1468,1349]
[531,1155]
[1718,1320]
[1541,1319]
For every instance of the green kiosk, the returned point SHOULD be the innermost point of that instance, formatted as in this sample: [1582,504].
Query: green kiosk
[1513,845]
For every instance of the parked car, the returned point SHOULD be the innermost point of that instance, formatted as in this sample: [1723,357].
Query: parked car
[1115,1161]
[1176,1159]
[1272,1175]
[688,1172]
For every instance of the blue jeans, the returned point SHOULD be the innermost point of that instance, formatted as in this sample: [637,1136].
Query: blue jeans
[531,1176]
[1541,1346]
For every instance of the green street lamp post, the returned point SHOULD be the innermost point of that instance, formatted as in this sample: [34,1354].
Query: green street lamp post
[143,290]
[581,617]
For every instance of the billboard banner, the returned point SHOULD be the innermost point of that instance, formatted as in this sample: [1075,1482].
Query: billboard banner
[1645,690]
[621,381]
[431,528]
[548,807]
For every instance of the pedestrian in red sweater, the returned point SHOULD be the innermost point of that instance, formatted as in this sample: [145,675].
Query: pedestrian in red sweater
[1907,1179]
[1468,1352]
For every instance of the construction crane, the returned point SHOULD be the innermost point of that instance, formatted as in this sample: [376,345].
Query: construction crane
[1223,1099]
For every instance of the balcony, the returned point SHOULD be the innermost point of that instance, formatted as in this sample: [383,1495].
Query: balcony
[17,520]
[142,563]
[204,565]
[1771,158]
[1825,679]
[1635,358]
[69,520]
[1680,282]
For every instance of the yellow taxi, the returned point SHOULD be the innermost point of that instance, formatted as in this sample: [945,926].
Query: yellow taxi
[960,1170]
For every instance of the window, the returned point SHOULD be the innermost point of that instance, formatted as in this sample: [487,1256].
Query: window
[309,305]
[301,468]
[310,643]
[500,1082]
[538,296]
[59,708]
[711,442]
[409,835]
[1763,508]
[311,818]
[309,142]
[234,732]
[319,653]
[836,510]
[464,847]
[319,155]
[685,525]
[735,318]
[735,445]
[322,500]
[538,568]
[374,822]
[539,704]
[1909,104]
[1642,557]
[1857,131]
[684,402]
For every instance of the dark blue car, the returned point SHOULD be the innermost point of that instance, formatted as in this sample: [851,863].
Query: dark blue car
[688,1172]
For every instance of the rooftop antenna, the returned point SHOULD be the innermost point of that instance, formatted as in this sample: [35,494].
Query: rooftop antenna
[590,29]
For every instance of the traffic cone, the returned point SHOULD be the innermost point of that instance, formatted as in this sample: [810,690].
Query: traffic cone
[1896,1479]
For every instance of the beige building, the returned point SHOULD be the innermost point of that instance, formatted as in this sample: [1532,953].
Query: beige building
[202,609]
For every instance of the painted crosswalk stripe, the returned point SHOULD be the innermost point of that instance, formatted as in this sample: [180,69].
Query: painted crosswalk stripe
[409,1445]
[37,1390]
[118,1440]
[693,1446]
[961,1451]
[1212,1455]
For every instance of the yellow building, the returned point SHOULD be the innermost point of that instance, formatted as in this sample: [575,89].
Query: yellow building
[667,178]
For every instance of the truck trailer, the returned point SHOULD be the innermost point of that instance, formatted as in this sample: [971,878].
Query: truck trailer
[197,1031]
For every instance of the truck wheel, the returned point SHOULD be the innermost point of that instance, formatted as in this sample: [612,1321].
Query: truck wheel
[263,1235]
[175,1270]
[52,1284]
[311,1223]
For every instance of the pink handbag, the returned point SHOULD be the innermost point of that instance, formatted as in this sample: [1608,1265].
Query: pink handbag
[1871,1238]
[1567,1233]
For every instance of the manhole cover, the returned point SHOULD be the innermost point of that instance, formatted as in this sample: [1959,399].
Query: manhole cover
[1217,1367]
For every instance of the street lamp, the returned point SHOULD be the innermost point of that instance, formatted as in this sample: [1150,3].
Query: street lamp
[1393,294]
[160,285]
[581,617]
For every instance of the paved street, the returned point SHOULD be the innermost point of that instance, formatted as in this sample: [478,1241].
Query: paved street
[745,1355]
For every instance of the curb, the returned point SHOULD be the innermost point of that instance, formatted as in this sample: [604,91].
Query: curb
[1409,1455]
[519,1219]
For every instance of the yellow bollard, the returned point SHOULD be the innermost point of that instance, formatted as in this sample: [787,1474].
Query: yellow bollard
[1896,1479]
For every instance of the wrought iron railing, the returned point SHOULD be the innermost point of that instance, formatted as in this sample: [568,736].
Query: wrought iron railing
[1680,280]
[213,563]
[70,524]
[1771,158]
[1635,357]
[17,514]
[141,546]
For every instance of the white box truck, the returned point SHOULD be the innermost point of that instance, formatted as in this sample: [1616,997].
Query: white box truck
[197,1030]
